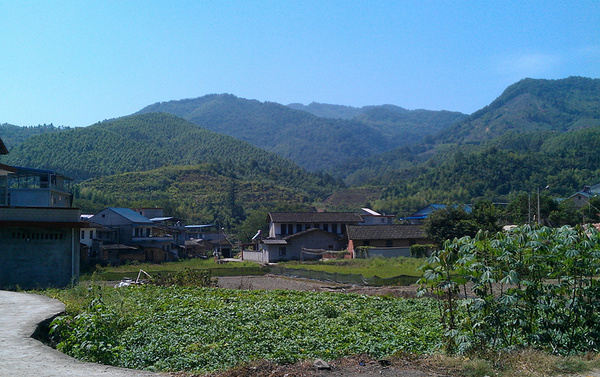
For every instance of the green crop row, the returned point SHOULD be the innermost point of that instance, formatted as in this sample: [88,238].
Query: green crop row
[205,329]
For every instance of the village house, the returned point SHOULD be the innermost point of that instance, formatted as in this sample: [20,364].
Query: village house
[282,224]
[39,230]
[370,217]
[132,236]
[582,198]
[302,235]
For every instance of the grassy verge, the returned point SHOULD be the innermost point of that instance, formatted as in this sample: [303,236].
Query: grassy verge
[382,267]
[131,270]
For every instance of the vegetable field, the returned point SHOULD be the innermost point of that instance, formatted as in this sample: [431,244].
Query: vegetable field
[205,329]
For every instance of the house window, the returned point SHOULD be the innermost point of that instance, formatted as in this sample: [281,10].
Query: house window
[367,243]
[306,226]
[389,243]
[91,234]
[334,228]
[283,228]
[147,232]
[83,234]
[137,232]
[290,229]
[298,228]
[282,251]
[326,227]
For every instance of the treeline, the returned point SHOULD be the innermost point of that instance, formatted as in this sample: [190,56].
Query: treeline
[13,135]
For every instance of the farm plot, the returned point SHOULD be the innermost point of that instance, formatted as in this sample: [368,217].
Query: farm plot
[206,329]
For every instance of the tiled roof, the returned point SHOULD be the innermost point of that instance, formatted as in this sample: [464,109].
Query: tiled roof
[385,232]
[131,215]
[314,217]
[308,231]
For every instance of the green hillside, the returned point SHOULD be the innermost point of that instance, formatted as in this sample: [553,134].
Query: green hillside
[149,141]
[13,135]
[202,193]
[314,143]
[464,174]
[532,105]
[325,110]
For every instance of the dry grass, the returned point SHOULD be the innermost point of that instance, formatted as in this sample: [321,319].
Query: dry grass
[526,363]
[522,363]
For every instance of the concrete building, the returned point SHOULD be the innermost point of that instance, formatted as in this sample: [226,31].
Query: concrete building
[39,231]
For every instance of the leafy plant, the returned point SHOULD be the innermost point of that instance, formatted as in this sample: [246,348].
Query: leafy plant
[202,329]
[532,287]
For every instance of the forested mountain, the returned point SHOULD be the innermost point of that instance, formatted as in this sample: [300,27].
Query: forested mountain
[526,116]
[313,142]
[532,105]
[13,135]
[498,170]
[537,133]
[149,141]
[325,110]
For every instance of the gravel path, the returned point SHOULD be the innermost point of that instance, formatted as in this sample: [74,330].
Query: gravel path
[21,355]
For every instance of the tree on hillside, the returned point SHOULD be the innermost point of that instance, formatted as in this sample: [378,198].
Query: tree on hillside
[449,223]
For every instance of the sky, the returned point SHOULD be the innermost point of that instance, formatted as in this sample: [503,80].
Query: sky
[75,63]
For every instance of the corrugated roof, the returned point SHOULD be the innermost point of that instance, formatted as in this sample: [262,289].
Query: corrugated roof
[274,242]
[314,217]
[369,211]
[131,215]
[385,232]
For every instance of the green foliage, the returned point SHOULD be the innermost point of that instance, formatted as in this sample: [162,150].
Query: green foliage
[149,141]
[420,251]
[313,142]
[185,278]
[195,193]
[14,135]
[382,267]
[533,105]
[205,329]
[531,287]
[455,222]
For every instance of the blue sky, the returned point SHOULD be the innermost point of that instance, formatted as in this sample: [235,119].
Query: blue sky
[74,63]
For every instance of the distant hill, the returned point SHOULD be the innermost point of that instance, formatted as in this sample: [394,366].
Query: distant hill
[13,135]
[313,142]
[149,141]
[393,121]
[325,110]
[532,105]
